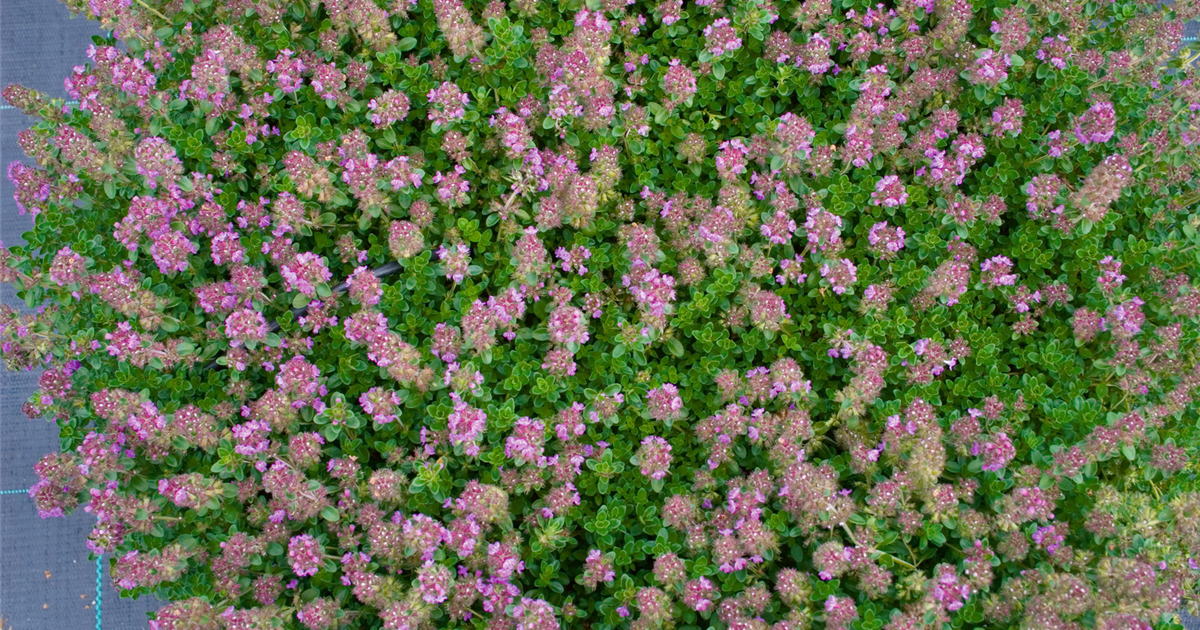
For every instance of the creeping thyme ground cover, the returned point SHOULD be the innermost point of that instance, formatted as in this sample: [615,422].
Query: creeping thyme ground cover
[737,314]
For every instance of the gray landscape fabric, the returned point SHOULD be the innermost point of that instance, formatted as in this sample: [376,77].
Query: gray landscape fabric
[47,581]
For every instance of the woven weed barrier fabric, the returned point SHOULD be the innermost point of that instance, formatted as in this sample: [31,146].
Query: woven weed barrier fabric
[47,581]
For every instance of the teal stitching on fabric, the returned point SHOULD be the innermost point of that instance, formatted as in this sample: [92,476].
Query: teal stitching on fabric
[26,491]
[99,589]
[8,107]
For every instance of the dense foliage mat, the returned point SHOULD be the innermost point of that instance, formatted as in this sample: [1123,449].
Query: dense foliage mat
[740,314]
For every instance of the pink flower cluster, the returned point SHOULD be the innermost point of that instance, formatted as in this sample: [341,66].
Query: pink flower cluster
[514,132]
[405,239]
[574,259]
[171,251]
[721,38]
[1009,116]
[1097,124]
[288,71]
[791,270]
[997,271]
[245,325]
[385,347]
[824,229]
[654,457]
[388,108]
[136,569]
[210,79]
[185,491]
[251,437]
[156,160]
[567,324]
[1110,277]
[456,259]
[132,77]
[889,192]
[664,403]
[525,445]
[779,228]
[996,452]
[731,160]
[535,614]
[304,273]
[794,136]
[364,287]
[991,68]
[653,291]
[948,588]
[840,612]
[381,404]
[319,614]
[462,34]
[885,240]
[452,187]
[447,103]
[841,274]
[466,425]
[679,83]
[305,554]
[1102,186]
[329,82]
[68,267]
[598,568]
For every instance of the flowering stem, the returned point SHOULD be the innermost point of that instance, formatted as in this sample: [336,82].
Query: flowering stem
[910,553]
[153,10]
[1190,200]
[47,335]
[289,464]
[874,550]
[1066,148]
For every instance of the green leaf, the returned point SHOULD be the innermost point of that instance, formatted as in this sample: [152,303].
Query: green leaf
[329,513]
